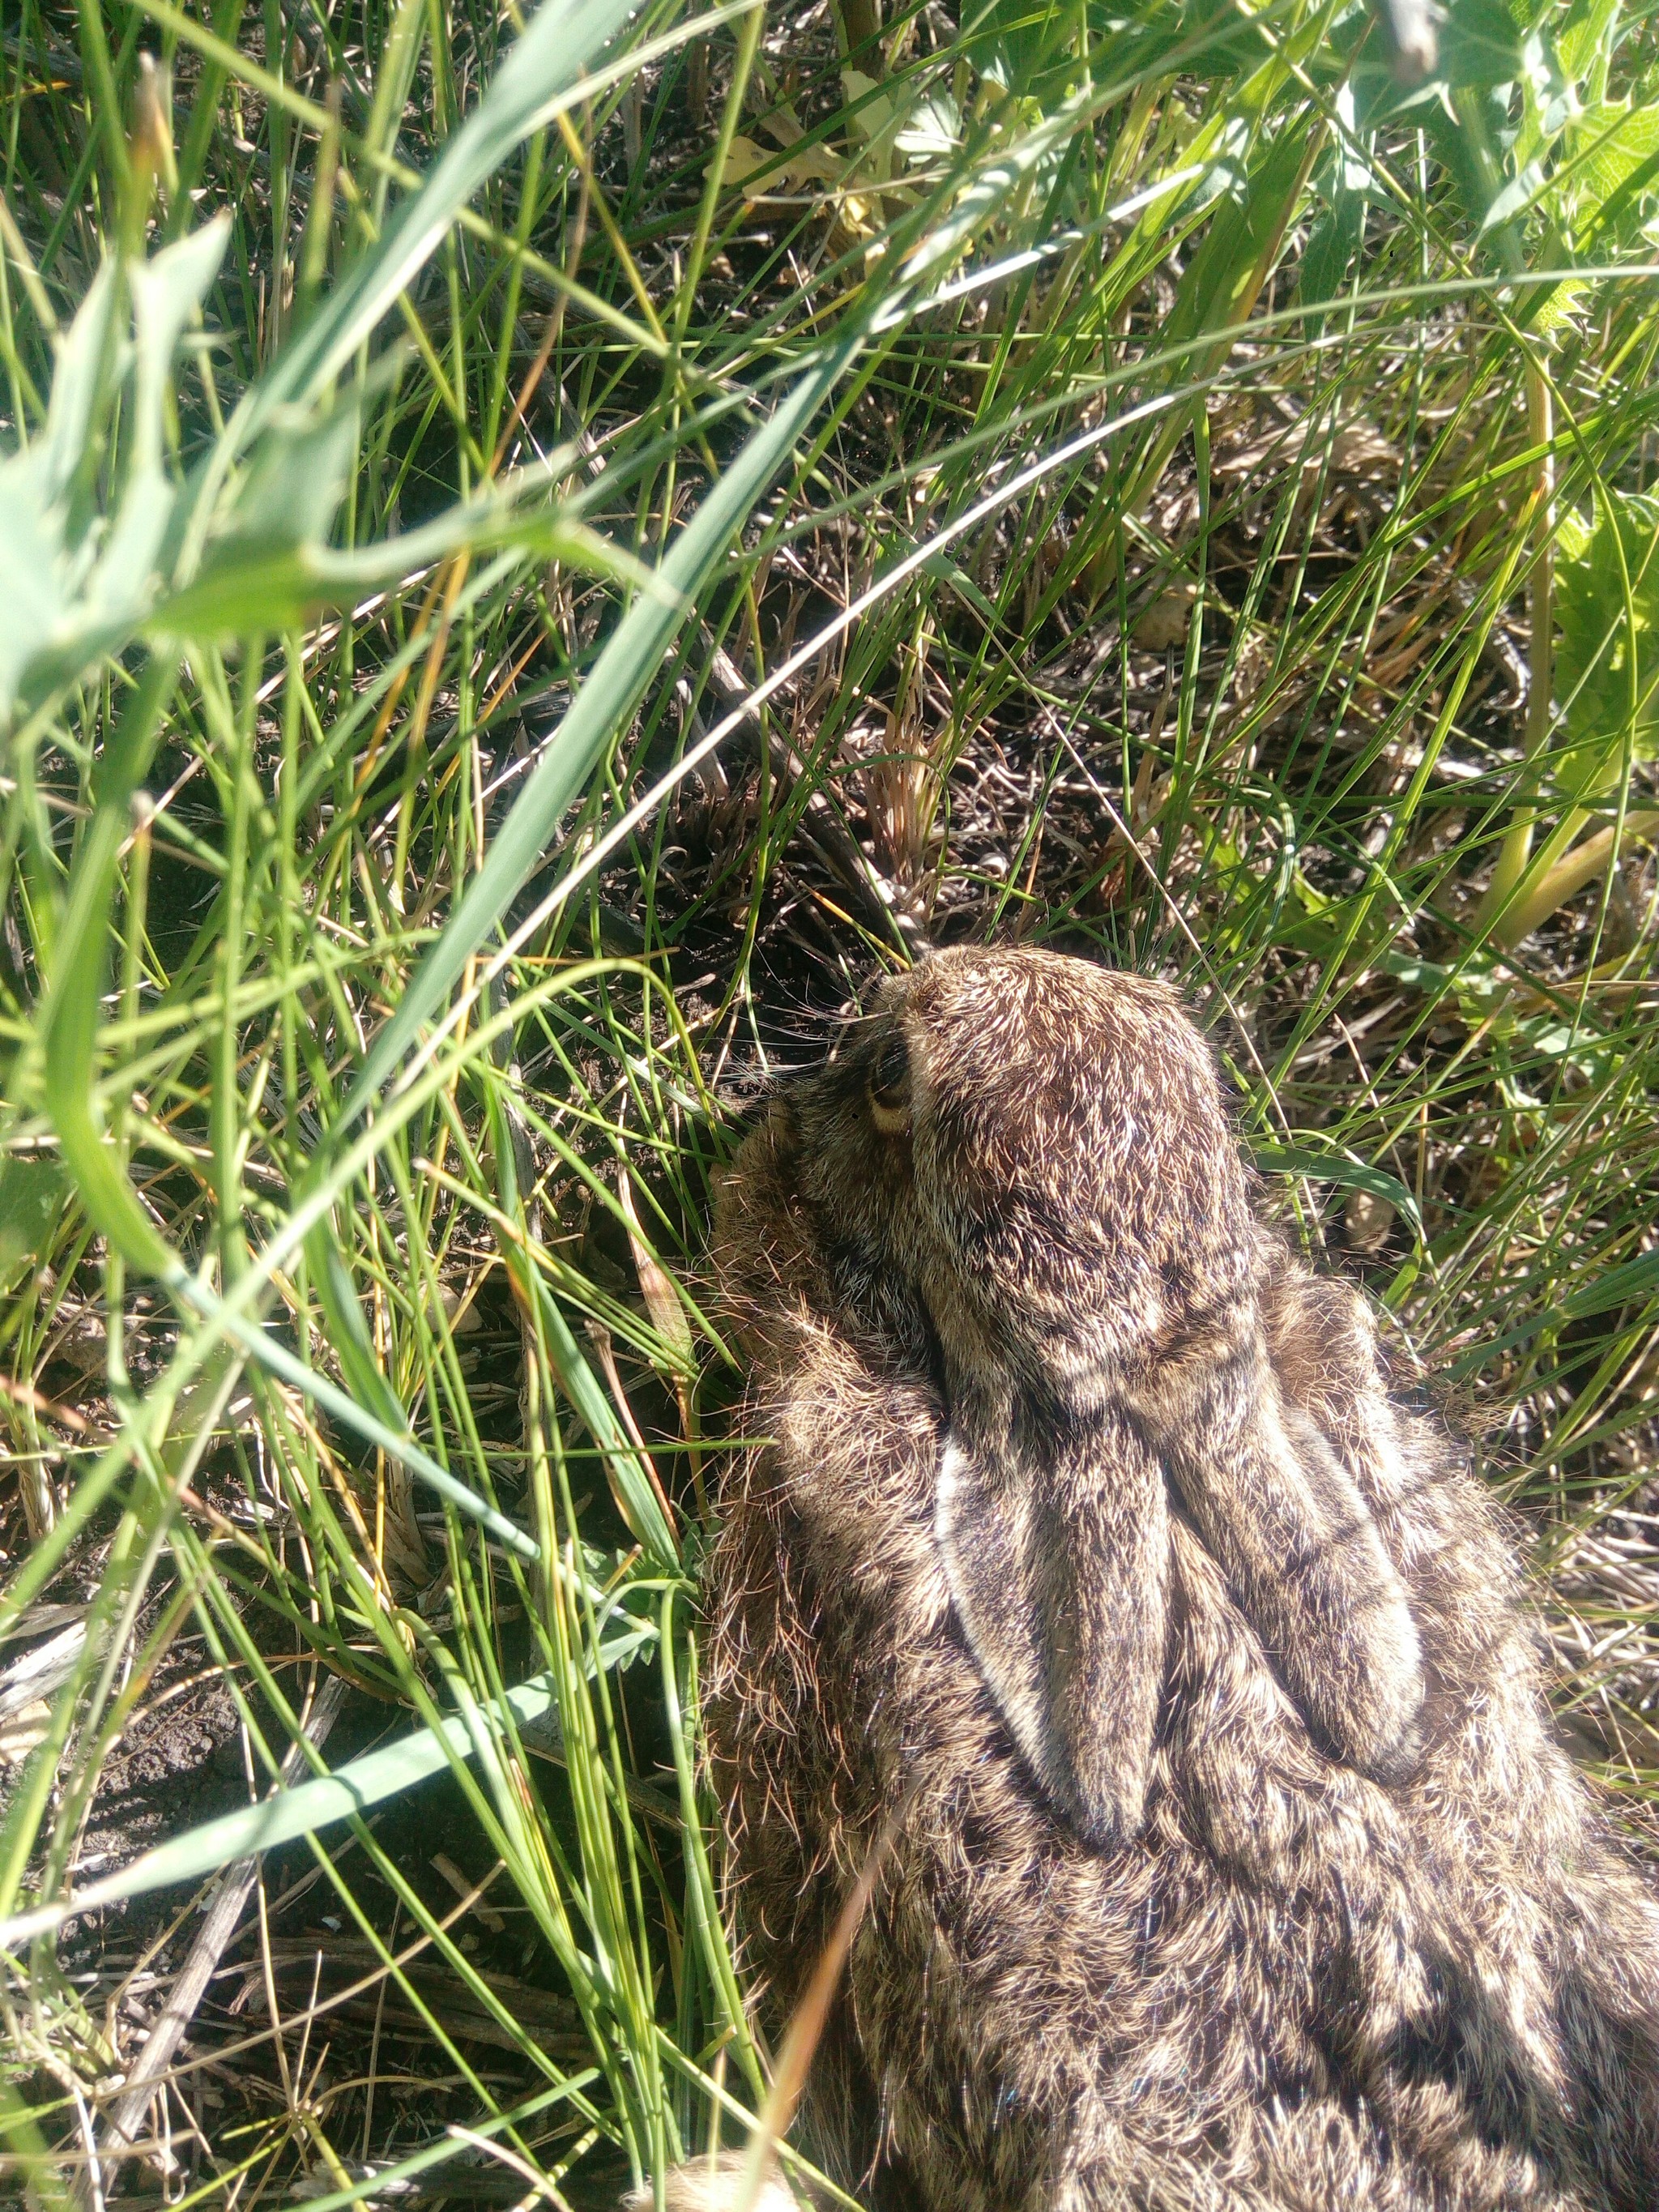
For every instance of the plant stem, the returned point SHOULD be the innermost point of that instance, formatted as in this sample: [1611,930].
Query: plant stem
[1496,913]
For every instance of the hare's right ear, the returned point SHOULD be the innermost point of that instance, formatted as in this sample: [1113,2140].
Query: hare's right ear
[1057,1557]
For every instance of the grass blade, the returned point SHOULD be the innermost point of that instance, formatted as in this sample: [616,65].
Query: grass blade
[284,1815]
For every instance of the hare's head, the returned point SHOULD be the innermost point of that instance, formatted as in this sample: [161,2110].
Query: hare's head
[1037,1151]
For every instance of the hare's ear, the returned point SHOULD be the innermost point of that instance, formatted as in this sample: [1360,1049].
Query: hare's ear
[1058,1566]
[1305,1557]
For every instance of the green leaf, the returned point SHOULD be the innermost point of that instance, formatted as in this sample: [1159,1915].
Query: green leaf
[1625,139]
[930,127]
[1481,44]
[31,551]
[347,1331]
[73,593]
[88,357]
[1517,195]
[31,1191]
[1343,1169]
[1606,601]
[1586,35]
[165,293]
[251,583]
[1618,175]
[69,1018]
[298,476]
[1332,241]
[627,1468]
[1220,280]
[74,586]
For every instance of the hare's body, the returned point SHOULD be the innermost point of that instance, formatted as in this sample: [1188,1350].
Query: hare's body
[1213,1963]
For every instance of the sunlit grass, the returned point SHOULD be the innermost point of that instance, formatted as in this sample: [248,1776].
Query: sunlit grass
[551,561]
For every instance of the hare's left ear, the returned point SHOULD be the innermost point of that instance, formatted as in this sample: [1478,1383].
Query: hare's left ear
[1302,1552]
[1057,1560]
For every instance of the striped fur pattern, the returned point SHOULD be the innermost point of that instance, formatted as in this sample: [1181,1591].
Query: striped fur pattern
[1239,1866]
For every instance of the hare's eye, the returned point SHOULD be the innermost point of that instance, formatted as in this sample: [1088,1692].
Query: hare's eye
[890,1087]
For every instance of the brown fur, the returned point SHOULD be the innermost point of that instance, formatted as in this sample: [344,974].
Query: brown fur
[1239,1867]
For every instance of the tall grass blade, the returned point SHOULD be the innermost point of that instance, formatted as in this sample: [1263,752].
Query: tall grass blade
[285,1815]
[600,713]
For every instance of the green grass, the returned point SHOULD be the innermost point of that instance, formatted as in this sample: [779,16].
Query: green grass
[536,560]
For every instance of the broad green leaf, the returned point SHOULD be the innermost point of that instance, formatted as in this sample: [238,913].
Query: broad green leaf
[1481,44]
[930,127]
[1586,35]
[1019,166]
[72,585]
[165,293]
[1624,138]
[1344,181]
[1607,664]
[1611,174]
[31,1191]
[88,357]
[253,583]
[31,552]
[71,606]
[298,475]
[1343,1169]
[1517,195]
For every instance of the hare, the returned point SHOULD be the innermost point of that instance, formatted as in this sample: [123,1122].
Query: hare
[1236,1865]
